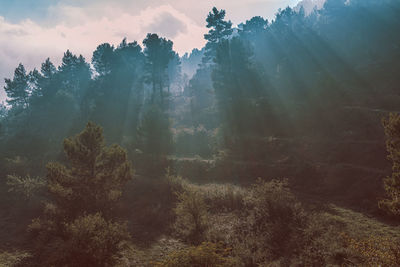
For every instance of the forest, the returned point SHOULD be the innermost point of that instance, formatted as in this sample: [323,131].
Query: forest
[276,144]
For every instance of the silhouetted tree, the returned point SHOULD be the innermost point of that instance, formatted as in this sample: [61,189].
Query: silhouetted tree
[103,59]
[253,27]
[159,53]
[219,29]
[17,89]
[75,74]
[239,91]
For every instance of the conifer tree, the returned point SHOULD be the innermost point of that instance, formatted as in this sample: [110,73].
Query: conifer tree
[238,91]
[83,203]
[17,89]
[159,53]
[48,69]
[154,132]
[219,29]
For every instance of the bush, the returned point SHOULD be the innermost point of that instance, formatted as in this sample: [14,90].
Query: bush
[274,225]
[191,216]
[94,242]
[392,183]
[375,250]
[222,197]
[87,241]
[153,201]
[26,186]
[191,142]
[8,259]
[207,254]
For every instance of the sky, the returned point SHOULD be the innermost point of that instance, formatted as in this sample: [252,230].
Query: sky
[32,30]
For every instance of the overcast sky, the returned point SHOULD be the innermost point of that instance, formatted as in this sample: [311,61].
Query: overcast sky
[32,30]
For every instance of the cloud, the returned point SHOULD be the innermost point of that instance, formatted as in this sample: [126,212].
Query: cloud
[169,25]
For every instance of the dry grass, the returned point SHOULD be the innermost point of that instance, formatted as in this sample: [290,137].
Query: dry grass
[10,259]
[222,197]
[360,225]
[146,257]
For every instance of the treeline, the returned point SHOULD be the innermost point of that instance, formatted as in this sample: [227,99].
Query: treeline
[298,75]
[309,74]
[126,91]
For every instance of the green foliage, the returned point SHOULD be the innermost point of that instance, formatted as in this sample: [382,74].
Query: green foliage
[153,142]
[18,89]
[119,80]
[93,182]
[239,93]
[206,254]
[26,186]
[274,225]
[219,30]
[76,229]
[89,240]
[193,142]
[328,75]
[154,132]
[3,111]
[253,27]
[392,183]
[93,241]
[222,197]
[103,59]
[176,184]
[152,201]
[159,53]
[191,216]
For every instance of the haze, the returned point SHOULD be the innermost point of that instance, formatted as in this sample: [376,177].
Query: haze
[31,31]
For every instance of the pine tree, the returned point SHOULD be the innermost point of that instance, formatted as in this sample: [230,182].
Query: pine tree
[48,69]
[75,74]
[219,29]
[103,59]
[17,89]
[238,91]
[154,133]
[83,201]
[159,53]
[253,27]
[93,182]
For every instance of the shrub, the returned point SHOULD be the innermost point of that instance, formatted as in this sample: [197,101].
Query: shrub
[375,250]
[320,243]
[192,142]
[207,254]
[222,197]
[94,242]
[89,240]
[274,224]
[392,183]
[26,186]
[153,201]
[191,216]
[8,259]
